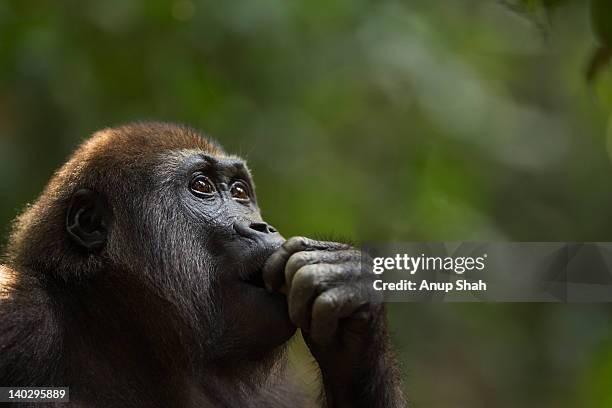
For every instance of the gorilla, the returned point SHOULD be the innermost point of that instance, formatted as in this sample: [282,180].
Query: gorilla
[144,276]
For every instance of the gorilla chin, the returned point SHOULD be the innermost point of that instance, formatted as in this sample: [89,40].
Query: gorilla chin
[263,321]
[263,318]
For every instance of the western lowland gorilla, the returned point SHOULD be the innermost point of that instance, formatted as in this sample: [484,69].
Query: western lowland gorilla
[144,276]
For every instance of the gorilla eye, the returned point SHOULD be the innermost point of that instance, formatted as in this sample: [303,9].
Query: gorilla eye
[240,191]
[202,186]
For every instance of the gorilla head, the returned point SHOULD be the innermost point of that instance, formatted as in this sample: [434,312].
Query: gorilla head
[153,240]
[137,280]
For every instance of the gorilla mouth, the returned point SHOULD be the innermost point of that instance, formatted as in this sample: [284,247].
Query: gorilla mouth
[252,272]
[250,248]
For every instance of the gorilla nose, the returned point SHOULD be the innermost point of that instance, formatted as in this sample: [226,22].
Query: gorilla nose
[262,227]
[255,230]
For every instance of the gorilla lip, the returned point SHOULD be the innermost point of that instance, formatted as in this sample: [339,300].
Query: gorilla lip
[255,278]
[254,274]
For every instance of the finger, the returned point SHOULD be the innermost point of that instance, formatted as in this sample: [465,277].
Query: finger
[303,258]
[329,308]
[308,283]
[273,270]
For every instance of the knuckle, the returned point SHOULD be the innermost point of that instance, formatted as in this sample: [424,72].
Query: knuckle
[295,243]
[298,260]
[327,301]
[306,276]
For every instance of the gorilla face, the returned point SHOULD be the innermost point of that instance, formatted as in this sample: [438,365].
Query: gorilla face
[211,245]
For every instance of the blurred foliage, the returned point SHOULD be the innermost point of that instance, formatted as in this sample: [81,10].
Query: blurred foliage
[601,23]
[387,120]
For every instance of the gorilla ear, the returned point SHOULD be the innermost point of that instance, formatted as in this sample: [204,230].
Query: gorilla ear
[87,220]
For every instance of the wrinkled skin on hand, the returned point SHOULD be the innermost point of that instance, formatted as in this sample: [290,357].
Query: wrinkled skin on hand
[331,299]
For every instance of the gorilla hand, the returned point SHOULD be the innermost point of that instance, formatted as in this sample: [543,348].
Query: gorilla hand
[331,299]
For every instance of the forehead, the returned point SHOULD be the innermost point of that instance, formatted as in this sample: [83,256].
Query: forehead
[189,160]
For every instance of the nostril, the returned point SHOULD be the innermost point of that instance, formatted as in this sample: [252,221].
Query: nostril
[272,230]
[260,227]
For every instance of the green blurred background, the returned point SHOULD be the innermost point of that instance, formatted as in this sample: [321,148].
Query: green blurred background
[375,120]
